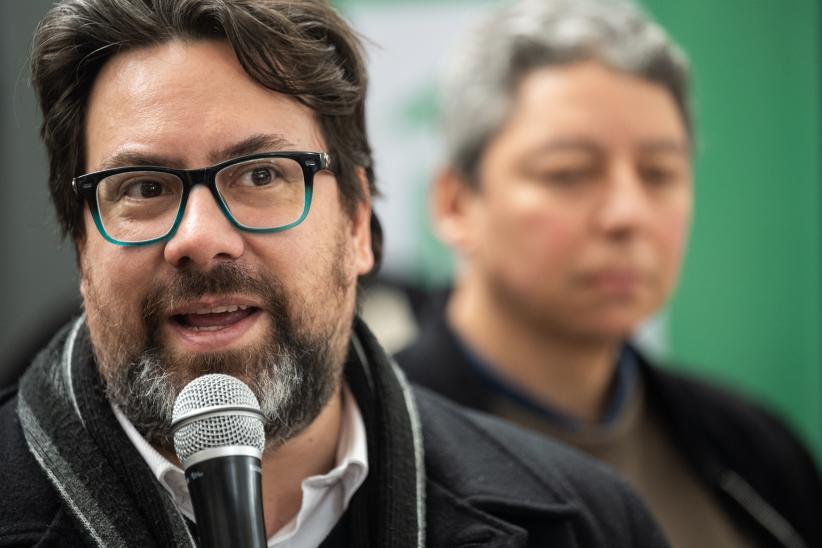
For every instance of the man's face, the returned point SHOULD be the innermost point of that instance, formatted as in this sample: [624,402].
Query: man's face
[581,216]
[275,309]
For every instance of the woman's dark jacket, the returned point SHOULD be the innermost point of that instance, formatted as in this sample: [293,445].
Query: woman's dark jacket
[764,478]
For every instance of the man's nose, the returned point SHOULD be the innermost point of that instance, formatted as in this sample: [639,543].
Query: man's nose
[626,205]
[205,236]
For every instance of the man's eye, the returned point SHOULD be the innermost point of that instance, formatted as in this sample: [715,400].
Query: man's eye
[258,176]
[146,189]
[261,176]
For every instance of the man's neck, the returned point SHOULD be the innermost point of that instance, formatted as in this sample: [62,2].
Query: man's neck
[312,452]
[571,374]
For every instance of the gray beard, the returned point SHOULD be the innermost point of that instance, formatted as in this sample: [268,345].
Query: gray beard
[293,373]
[291,392]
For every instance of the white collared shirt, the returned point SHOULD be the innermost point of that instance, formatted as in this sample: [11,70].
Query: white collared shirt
[325,497]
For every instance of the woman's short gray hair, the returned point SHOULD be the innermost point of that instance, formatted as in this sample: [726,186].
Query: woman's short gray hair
[482,79]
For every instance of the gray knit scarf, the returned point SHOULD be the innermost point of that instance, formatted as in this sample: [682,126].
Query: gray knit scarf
[114,497]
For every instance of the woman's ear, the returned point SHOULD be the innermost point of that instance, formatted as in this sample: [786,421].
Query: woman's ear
[451,202]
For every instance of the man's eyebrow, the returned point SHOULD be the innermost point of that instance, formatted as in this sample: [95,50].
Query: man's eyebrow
[262,142]
[256,143]
[128,158]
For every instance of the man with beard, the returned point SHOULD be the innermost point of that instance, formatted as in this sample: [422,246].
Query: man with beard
[210,162]
[568,197]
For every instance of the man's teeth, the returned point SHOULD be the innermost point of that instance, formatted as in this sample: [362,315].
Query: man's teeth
[221,309]
[212,328]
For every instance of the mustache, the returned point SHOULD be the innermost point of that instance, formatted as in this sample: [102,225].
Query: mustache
[288,371]
[224,279]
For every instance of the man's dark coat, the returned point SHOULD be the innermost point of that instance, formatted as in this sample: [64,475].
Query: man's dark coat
[486,483]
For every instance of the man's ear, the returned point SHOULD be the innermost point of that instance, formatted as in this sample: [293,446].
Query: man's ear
[361,228]
[451,202]
[79,247]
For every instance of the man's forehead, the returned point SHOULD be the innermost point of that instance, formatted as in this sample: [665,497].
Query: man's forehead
[148,109]
[271,142]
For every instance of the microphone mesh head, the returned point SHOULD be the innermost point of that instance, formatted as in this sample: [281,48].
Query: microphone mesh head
[210,432]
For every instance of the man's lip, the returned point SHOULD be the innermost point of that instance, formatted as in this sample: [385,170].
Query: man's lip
[217,338]
[214,305]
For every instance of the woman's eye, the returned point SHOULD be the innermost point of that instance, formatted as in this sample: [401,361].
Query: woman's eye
[657,176]
[567,176]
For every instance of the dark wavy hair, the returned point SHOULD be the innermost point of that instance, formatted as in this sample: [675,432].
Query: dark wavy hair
[301,48]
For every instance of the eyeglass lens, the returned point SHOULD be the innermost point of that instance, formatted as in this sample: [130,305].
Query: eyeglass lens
[264,193]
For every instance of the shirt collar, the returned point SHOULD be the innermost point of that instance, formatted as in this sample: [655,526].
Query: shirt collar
[623,387]
[325,496]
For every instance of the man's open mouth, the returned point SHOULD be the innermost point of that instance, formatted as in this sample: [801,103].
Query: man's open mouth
[214,318]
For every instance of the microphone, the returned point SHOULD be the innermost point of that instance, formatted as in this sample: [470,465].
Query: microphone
[219,438]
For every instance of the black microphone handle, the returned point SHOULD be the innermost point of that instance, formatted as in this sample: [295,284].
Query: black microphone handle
[226,493]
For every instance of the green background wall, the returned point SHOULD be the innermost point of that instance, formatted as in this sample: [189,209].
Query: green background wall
[748,312]
[749,308]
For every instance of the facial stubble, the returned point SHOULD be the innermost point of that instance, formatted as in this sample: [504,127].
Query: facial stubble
[293,371]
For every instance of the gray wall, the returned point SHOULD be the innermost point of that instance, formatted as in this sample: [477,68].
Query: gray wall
[38,282]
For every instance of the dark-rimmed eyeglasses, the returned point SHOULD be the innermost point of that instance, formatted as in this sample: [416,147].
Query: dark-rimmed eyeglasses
[262,193]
